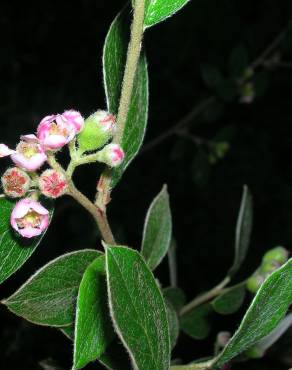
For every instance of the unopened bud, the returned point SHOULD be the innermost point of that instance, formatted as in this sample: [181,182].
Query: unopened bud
[267,267]
[254,283]
[112,155]
[53,184]
[15,182]
[247,93]
[254,353]
[98,130]
[278,254]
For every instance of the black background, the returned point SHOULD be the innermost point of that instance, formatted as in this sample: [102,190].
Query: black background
[51,60]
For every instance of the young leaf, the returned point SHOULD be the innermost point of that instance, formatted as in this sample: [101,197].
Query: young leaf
[49,296]
[175,296]
[243,230]
[14,250]
[196,323]
[157,230]
[138,309]
[114,59]
[264,314]
[93,328]
[173,324]
[230,301]
[238,62]
[157,11]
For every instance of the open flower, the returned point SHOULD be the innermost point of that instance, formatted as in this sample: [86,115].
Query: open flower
[112,155]
[75,118]
[29,155]
[29,218]
[53,184]
[15,182]
[56,131]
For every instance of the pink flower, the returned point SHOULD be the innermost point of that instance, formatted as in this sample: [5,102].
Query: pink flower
[112,155]
[56,131]
[29,155]
[5,151]
[53,184]
[74,118]
[29,218]
[15,182]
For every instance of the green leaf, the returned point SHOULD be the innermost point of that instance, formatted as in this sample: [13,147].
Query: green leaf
[138,309]
[230,301]
[114,60]
[264,314]
[196,323]
[243,230]
[211,75]
[93,328]
[158,10]
[175,296]
[49,296]
[14,250]
[238,62]
[173,324]
[157,230]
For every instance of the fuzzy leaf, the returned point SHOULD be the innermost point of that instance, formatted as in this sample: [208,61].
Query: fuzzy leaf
[264,314]
[175,296]
[114,60]
[138,309]
[14,250]
[230,301]
[173,324]
[158,10]
[195,323]
[157,230]
[93,328]
[49,296]
[243,230]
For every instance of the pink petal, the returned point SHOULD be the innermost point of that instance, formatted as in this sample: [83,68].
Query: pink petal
[29,164]
[36,206]
[31,138]
[21,208]
[54,141]
[30,232]
[5,151]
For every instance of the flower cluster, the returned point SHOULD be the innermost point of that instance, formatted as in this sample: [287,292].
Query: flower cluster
[29,218]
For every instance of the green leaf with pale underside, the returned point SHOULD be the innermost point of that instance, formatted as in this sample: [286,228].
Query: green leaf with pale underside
[138,309]
[264,314]
[114,60]
[49,296]
[14,250]
[93,328]
[157,230]
[230,301]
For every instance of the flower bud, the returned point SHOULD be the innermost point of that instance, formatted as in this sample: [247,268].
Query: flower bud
[247,93]
[112,155]
[98,130]
[53,184]
[254,352]
[29,155]
[254,282]
[267,267]
[15,182]
[278,254]
[29,218]
[74,118]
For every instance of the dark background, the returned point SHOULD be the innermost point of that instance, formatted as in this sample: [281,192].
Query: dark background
[51,60]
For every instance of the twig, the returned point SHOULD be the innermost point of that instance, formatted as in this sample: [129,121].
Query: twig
[172,264]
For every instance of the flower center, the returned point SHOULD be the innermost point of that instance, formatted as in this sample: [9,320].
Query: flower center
[14,182]
[57,130]
[31,219]
[27,149]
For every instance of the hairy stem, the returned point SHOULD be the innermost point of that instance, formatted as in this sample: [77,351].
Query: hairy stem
[205,297]
[197,366]
[133,56]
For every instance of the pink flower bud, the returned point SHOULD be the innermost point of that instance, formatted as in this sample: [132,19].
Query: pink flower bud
[29,218]
[29,155]
[112,155]
[5,151]
[15,182]
[55,131]
[53,184]
[74,118]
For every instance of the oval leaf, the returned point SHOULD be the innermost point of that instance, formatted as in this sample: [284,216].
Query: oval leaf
[157,230]
[14,250]
[173,324]
[243,230]
[93,328]
[264,314]
[230,301]
[138,309]
[196,322]
[175,296]
[114,60]
[158,10]
[49,296]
